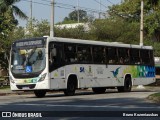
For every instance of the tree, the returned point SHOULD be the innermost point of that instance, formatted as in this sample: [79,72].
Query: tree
[73,17]
[9,6]
[7,19]
[130,11]
[117,30]
[8,22]
[37,29]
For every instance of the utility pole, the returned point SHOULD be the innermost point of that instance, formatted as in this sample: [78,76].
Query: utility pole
[78,11]
[141,24]
[31,9]
[99,9]
[52,19]
[141,35]
[31,13]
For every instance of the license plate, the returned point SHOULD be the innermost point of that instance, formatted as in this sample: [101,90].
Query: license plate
[25,88]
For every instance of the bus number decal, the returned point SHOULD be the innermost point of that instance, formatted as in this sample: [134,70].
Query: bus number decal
[100,70]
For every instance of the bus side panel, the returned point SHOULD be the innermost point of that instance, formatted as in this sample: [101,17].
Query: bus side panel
[141,75]
[89,75]
[57,79]
[143,81]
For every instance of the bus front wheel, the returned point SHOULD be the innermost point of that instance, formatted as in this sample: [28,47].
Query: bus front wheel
[71,88]
[40,93]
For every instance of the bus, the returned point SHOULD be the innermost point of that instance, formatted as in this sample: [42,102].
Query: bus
[157,68]
[51,63]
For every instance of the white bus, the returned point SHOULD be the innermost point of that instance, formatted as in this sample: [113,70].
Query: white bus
[45,64]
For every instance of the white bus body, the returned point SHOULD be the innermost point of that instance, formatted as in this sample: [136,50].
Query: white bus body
[69,64]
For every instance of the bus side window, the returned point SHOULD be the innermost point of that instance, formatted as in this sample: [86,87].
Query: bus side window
[145,56]
[151,56]
[70,53]
[84,54]
[112,55]
[135,56]
[123,55]
[52,54]
[99,54]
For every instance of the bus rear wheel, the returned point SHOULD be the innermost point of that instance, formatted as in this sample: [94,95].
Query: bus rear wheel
[127,85]
[40,93]
[99,90]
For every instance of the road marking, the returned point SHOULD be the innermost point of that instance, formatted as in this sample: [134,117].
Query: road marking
[92,106]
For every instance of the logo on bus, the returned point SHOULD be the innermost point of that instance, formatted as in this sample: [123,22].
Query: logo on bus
[82,69]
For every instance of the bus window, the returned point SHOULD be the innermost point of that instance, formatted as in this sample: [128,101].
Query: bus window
[134,54]
[70,53]
[123,56]
[99,54]
[151,56]
[112,55]
[84,54]
[145,57]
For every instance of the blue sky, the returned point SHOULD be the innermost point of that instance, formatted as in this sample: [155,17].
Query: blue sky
[41,8]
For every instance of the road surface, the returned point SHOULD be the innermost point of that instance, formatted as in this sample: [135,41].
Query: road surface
[90,105]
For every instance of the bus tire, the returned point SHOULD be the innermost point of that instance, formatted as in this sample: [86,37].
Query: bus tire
[127,85]
[71,86]
[40,93]
[99,90]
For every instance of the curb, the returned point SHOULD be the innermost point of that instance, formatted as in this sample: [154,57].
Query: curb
[15,93]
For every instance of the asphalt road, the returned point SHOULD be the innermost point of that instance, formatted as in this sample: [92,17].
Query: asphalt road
[91,105]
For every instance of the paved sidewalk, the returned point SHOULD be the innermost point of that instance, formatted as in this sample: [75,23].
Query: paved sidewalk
[4,92]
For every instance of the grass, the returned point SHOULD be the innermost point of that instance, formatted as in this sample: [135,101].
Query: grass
[154,97]
[4,87]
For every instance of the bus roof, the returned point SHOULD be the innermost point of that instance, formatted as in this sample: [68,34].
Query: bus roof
[91,42]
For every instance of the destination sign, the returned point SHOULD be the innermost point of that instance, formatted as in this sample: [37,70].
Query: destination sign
[29,43]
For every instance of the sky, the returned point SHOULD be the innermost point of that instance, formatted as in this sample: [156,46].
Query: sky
[42,8]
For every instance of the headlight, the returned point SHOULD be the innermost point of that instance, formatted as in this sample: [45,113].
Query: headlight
[42,77]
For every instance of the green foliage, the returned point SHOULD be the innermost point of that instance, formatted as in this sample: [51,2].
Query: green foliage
[37,28]
[5,87]
[3,63]
[154,97]
[115,31]
[8,22]
[73,17]
[9,6]
[76,33]
[7,25]
[130,11]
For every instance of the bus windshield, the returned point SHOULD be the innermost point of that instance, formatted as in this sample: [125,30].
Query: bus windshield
[27,59]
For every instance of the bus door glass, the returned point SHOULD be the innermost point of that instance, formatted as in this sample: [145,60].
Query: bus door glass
[55,56]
